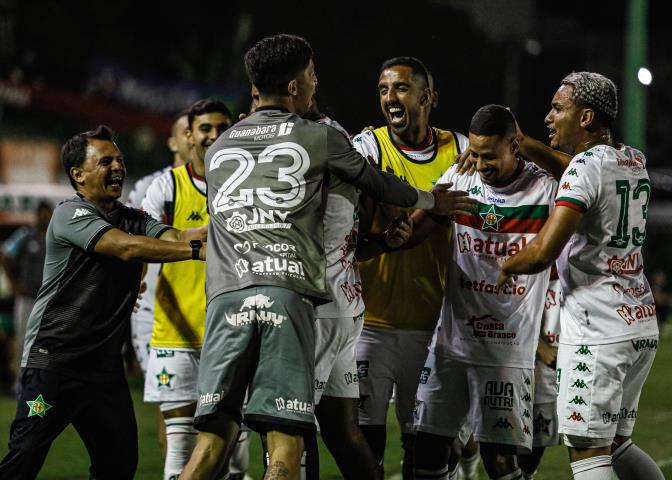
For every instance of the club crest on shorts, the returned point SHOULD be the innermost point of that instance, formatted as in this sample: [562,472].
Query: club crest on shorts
[164,378]
[38,407]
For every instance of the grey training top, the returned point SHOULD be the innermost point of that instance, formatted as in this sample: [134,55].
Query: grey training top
[265,177]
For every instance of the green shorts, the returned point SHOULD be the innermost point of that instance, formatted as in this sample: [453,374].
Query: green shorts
[263,338]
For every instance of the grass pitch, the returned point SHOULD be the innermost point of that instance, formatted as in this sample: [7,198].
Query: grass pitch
[68,460]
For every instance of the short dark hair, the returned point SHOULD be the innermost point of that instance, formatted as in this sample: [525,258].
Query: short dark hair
[417,67]
[73,153]
[208,105]
[493,120]
[275,61]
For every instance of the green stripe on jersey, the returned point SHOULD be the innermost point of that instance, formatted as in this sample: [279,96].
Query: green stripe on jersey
[520,213]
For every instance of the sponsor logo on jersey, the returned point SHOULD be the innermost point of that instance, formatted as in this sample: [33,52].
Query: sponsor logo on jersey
[550,299]
[424,375]
[637,291]
[279,266]
[630,314]
[645,344]
[487,326]
[80,212]
[38,407]
[630,265]
[498,200]
[211,398]
[623,413]
[164,379]
[263,132]
[489,246]
[164,353]
[296,406]
[261,219]
[576,417]
[636,163]
[503,422]
[320,385]
[483,287]
[491,219]
[244,247]
[255,309]
[498,395]
[242,267]
[362,368]
[351,377]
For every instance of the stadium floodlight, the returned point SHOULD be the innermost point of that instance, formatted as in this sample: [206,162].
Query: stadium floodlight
[644,76]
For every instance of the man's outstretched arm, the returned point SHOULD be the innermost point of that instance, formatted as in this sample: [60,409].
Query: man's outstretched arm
[546,247]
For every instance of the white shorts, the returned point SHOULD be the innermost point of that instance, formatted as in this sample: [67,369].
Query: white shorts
[335,357]
[545,423]
[387,358]
[142,322]
[496,401]
[172,375]
[599,388]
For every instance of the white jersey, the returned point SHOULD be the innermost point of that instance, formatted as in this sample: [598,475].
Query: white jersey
[545,390]
[341,222]
[146,303]
[482,324]
[606,294]
[158,201]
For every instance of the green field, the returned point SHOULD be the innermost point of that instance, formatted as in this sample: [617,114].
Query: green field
[68,459]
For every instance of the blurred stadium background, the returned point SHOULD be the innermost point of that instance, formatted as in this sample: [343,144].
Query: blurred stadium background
[67,66]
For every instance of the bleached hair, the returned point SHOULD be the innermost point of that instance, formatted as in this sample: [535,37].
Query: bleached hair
[594,90]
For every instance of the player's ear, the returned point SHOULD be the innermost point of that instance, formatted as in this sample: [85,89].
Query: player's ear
[426,97]
[587,117]
[515,145]
[190,136]
[293,87]
[77,174]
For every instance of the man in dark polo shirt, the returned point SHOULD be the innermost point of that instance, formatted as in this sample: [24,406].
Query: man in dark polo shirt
[72,366]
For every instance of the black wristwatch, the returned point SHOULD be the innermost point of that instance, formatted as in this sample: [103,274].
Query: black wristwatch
[195,248]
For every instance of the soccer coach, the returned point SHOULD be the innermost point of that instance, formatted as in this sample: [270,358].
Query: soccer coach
[72,366]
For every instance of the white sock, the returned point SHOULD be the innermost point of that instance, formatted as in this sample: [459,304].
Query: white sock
[594,468]
[630,463]
[516,475]
[440,474]
[240,458]
[469,467]
[180,441]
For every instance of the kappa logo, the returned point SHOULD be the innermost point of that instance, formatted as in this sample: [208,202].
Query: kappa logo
[526,430]
[584,350]
[576,417]
[578,400]
[503,422]
[579,384]
[295,405]
[640,312]
[260,220]
[566,186]
[476,190]
[582,367]
[195,216]
[630,265]
[526,413]
[572,172]
[242,267]
[80,212]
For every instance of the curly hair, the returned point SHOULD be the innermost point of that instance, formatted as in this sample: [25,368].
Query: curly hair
[595,91]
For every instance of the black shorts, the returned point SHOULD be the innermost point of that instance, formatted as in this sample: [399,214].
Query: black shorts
[102,414]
